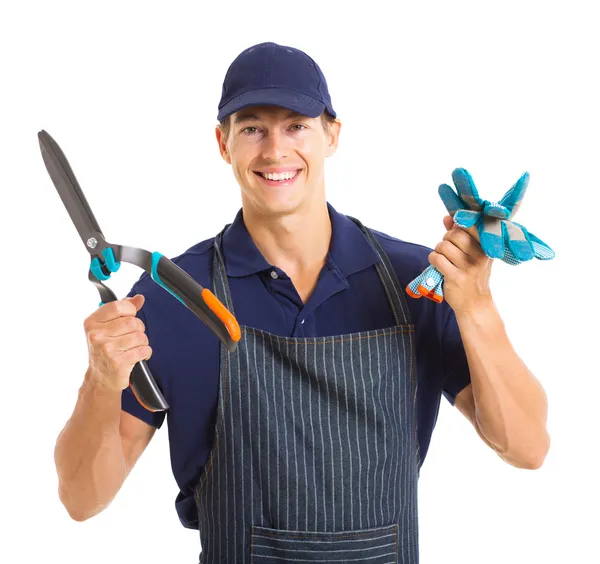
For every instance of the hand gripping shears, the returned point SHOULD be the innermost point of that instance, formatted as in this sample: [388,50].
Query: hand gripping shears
[107,257]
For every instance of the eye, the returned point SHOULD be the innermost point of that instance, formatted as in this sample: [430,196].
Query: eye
[246,128]
[299,125]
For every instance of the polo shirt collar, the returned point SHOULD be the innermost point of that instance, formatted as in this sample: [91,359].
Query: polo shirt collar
[349,251]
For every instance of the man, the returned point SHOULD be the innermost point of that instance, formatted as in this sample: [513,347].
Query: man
[307,441]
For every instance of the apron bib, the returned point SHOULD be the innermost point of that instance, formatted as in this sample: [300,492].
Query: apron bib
[316,453]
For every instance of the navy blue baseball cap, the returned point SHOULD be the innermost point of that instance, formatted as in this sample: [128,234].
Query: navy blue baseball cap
[275,75]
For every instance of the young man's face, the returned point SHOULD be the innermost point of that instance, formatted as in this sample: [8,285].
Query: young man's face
[270,139]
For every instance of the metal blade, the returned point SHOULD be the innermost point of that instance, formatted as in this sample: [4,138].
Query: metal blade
[70,192]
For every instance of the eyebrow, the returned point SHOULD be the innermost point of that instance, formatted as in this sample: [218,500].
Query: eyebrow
[249,117]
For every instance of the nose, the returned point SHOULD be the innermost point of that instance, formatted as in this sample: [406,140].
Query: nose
[275,145]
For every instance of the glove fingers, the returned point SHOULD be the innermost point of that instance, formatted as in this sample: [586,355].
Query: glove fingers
[516,240]
[490,237]
[540,249]
[494,209]
[513,198]
[466,218]
[451,200]
[509,258]
[466,189]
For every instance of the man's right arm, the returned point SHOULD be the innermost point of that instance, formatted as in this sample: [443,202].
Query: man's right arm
[96,450]
[100,443]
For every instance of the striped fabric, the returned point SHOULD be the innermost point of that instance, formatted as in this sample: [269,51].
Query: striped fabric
[380,544]
[316,454]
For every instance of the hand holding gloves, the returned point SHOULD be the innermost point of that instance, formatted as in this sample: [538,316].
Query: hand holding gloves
[499,236]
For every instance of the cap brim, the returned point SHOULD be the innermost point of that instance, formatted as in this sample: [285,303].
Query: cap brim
[290,99]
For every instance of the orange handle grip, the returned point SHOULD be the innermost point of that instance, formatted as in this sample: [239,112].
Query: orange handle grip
[233,327]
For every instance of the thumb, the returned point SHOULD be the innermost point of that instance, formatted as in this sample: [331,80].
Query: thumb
[448,222]
[137,300]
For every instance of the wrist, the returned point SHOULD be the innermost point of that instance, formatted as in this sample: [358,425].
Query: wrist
[479,313]
[98,402]
[95,384]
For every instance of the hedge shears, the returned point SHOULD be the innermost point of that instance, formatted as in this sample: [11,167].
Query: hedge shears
[106,258]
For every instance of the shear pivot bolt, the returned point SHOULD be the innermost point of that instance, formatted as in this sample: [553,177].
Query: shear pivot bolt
[91,242]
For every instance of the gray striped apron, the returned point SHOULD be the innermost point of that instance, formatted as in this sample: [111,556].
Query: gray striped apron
[316,455]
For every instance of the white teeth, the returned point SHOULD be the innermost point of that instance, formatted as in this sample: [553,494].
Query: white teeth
[279,176]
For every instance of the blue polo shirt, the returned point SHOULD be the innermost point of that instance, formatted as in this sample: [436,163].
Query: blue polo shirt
[348,298]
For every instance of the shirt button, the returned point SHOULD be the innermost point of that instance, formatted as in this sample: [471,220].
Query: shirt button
[430,281]
[274,274]
[302,322]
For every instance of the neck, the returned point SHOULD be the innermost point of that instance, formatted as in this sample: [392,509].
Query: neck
[296,243]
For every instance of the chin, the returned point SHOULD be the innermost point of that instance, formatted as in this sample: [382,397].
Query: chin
[273,205]
[279,209]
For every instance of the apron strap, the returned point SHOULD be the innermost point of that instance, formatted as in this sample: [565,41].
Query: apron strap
[389,279]
[221,289]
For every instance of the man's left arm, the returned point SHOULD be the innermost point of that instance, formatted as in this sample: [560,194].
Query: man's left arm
[505,402]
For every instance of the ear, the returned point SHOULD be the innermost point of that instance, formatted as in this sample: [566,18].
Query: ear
[222,144]
[333,137]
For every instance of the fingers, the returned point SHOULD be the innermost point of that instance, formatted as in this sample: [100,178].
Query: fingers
[452,254]
[513,198]
[448,222]
[118,308]
[130,357]
[542,250]
[123,326]
[443,264]
[517,241]
[465,240]
[120,324]
[491,237]
[495,210]
[467,218]
[116,341]
[127,342]
[450,199]
[99,339]
[459,247]
[466,188]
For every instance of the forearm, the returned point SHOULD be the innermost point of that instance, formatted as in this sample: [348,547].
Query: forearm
[510,403]
[89,452]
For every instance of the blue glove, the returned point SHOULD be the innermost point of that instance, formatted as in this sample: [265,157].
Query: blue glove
[499,236]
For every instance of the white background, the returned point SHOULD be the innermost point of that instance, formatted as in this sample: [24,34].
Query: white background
[130,92]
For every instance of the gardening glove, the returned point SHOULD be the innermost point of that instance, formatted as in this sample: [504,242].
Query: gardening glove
[499,236]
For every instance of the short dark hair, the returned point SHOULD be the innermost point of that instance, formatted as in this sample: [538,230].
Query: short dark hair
[326,120]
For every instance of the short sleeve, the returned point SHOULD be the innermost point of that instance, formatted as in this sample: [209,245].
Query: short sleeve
[129,402]
[454,360]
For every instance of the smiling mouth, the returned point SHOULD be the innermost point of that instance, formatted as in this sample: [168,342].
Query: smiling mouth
[281,178]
